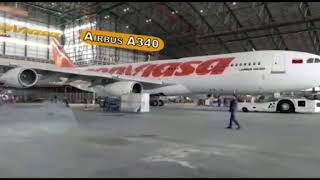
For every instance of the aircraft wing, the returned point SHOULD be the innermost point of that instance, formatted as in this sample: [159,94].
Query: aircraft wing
[84,74]
[74,74]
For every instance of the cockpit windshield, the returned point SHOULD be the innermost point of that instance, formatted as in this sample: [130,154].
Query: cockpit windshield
[310,60]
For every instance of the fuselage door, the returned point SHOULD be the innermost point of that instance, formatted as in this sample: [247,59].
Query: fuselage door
[279,64]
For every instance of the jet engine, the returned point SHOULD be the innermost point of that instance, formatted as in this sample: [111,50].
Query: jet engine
[19,78]
[119,88]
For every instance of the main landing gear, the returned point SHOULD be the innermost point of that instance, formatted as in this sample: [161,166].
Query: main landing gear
[155,101]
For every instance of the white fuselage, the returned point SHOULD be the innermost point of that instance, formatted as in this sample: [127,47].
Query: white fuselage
[245,72]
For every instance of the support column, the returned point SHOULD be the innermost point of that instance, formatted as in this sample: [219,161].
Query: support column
[48,50]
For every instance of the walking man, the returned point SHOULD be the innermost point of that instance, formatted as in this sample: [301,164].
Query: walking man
[233,109]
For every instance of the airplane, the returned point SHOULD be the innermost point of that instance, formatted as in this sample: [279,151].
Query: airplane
[253,72]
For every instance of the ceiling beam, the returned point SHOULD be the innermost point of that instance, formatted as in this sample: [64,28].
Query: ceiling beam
[187,22]
[180,16]
[264,19]
[209,26]
[148,17]
[159,25]
[264,35]
[105,9]
[313,35]
[276,29]
[239,24]
[48,10]
[261,27]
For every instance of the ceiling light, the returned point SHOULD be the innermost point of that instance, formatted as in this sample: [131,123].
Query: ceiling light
[234,3]
[172,12]
[124,10]
[107,16]
[201,11]
[127,26]
[127,9]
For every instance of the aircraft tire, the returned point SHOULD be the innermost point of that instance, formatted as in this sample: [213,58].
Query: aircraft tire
[244,109]
[154,103]
[285,106]
[161,103]
[101,104]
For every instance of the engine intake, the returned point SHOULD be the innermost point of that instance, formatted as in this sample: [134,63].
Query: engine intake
[20,78]
[119,88]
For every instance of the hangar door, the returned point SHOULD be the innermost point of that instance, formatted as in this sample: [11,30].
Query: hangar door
[278,64]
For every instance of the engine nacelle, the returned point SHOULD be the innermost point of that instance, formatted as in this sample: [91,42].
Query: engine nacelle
[118,88]
[20,78]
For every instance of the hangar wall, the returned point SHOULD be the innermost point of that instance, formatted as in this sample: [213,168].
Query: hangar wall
[24,46]
[83,54]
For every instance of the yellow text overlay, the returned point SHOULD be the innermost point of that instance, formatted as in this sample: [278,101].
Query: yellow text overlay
[122,40]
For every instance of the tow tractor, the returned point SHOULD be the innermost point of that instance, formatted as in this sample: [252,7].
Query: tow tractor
[282,105]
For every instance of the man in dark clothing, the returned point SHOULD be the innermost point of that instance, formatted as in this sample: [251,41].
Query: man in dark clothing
[66,102]
[55,99]
[233,109]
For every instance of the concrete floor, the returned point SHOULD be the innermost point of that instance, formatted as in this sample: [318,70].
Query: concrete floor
[50,140]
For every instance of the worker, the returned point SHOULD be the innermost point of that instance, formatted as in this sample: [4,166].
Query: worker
[233,109]
[55,99]
[66,102]
[86,103]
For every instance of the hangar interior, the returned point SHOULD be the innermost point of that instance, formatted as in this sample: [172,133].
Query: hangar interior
[177,140]
[188,29]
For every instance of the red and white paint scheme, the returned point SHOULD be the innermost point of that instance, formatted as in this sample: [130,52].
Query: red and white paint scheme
[245,72]
[253,72]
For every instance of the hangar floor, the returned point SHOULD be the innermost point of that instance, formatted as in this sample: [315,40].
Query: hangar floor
[51,140]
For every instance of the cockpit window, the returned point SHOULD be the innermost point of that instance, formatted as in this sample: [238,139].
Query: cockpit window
[317,60]
[310,60]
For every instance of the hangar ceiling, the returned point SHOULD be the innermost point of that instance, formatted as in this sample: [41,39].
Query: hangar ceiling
[201,28]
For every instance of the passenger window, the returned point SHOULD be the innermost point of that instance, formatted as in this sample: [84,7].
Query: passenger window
[259,63]
[249,64]
[231,65]
[301,103]
[317,60]
[245,64]
[310,60]
[254,63]
[240,64]
[236,64]
[318,104]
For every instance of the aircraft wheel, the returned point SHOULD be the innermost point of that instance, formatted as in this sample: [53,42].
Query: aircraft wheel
[101,104]
[244,109]
[154,103]
[161,103]
[285,106]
